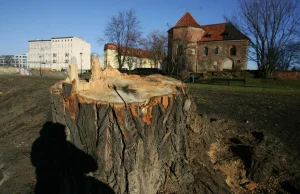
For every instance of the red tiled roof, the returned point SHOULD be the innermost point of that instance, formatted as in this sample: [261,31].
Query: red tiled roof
[223,31]
[130,52]
[110,46]
[213,32]
[187,20]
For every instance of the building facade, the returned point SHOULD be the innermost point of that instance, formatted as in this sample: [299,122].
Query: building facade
[57,53]
[135,58]
[14,60]
[197,48]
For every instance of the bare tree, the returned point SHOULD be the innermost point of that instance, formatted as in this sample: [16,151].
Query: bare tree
[139,63]
[270,25]
[123,29]
[289,56]
[155,43]
[131,61]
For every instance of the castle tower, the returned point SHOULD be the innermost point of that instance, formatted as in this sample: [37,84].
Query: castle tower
[182,42]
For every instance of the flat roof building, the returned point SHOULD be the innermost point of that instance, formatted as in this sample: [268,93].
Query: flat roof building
[58,52]
[14,60]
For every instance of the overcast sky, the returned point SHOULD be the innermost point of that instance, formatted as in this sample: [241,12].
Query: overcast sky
[23,20]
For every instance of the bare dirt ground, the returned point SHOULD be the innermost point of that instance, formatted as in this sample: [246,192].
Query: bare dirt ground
[24,108]
[256,143]
[259,150]
[275,113]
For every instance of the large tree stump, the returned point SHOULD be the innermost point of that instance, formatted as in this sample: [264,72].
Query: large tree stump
[135,127]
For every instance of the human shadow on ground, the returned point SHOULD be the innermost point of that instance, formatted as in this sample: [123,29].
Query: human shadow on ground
[61,168]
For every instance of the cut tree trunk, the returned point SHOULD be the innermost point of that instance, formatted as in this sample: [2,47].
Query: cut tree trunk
[134,127]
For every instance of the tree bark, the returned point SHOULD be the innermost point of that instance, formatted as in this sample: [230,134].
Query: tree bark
[136,144]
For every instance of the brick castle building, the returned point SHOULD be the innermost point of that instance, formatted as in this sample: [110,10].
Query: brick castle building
[197,48]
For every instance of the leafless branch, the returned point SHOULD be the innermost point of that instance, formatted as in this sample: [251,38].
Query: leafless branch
[155,43]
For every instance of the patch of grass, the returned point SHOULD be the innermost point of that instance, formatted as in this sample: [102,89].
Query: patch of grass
[250,88]
[257,82]
[291,84]
[252,85]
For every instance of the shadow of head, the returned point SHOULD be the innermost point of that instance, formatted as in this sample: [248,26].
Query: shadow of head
[53,131]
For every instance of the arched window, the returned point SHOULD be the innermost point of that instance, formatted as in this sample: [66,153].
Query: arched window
[216,51]
[233,51]
[205,52]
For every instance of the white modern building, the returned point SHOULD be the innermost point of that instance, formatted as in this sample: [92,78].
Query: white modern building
[58,52]
[14,60]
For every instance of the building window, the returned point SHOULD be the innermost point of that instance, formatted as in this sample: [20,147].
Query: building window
[216,51]
[226,34]
[208,35]
[205,51]
[232,51]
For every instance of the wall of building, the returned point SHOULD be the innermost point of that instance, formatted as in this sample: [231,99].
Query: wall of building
[188,34]
[288,75]
[217,62]
[84,59]
[21,60]
[110,59]
[39,52]
[61,52]
[187,37]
